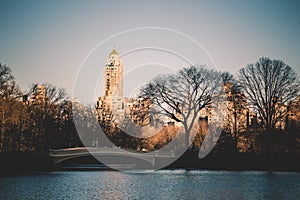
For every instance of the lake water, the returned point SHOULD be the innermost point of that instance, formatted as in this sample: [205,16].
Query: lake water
[164,184]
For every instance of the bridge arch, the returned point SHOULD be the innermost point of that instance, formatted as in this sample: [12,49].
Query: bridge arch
[108,156]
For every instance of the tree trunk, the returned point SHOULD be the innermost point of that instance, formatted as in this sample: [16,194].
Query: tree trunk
[235,131]
[187,136]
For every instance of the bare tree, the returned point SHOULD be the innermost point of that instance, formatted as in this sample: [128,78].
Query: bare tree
[44,114]
[54,95]
[9,93]
[236,106]
[227,77]
[183,95]
[8,86]
[269,85]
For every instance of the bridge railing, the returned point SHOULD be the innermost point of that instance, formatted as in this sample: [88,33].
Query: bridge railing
[84,150]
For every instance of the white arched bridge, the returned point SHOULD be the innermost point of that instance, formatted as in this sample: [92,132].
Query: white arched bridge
[111,155]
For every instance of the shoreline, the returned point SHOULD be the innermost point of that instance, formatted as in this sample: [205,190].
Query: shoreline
[19,163]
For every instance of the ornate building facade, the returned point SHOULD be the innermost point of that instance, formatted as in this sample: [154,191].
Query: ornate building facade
[113,106]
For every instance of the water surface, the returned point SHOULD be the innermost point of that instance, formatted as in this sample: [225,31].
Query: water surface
[164,184]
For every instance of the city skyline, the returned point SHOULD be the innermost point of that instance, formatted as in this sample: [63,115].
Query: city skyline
[41,46]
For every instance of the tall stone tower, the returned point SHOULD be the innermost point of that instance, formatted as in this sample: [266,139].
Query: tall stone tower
[111,105]
[113,78]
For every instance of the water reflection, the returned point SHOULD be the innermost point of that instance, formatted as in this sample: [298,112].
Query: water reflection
[164,184]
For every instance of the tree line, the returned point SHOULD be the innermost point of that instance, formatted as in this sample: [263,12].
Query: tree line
[259,107]
[29,123]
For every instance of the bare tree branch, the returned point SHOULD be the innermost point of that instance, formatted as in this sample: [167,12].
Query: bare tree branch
[183,95]
[269,85]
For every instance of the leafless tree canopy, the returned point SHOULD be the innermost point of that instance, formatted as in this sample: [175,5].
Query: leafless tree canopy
[183,95]
[227,77]
[8,86]
[54,95]
[269,85]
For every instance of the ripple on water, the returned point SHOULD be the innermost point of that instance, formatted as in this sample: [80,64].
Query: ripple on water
[163,184]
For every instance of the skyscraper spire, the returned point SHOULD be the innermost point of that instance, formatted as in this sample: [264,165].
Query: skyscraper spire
[114,51]
[113,78]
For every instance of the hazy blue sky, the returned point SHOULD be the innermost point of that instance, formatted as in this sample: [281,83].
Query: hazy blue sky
[47,41]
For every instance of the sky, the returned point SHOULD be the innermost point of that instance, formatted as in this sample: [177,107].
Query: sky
[67,43]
